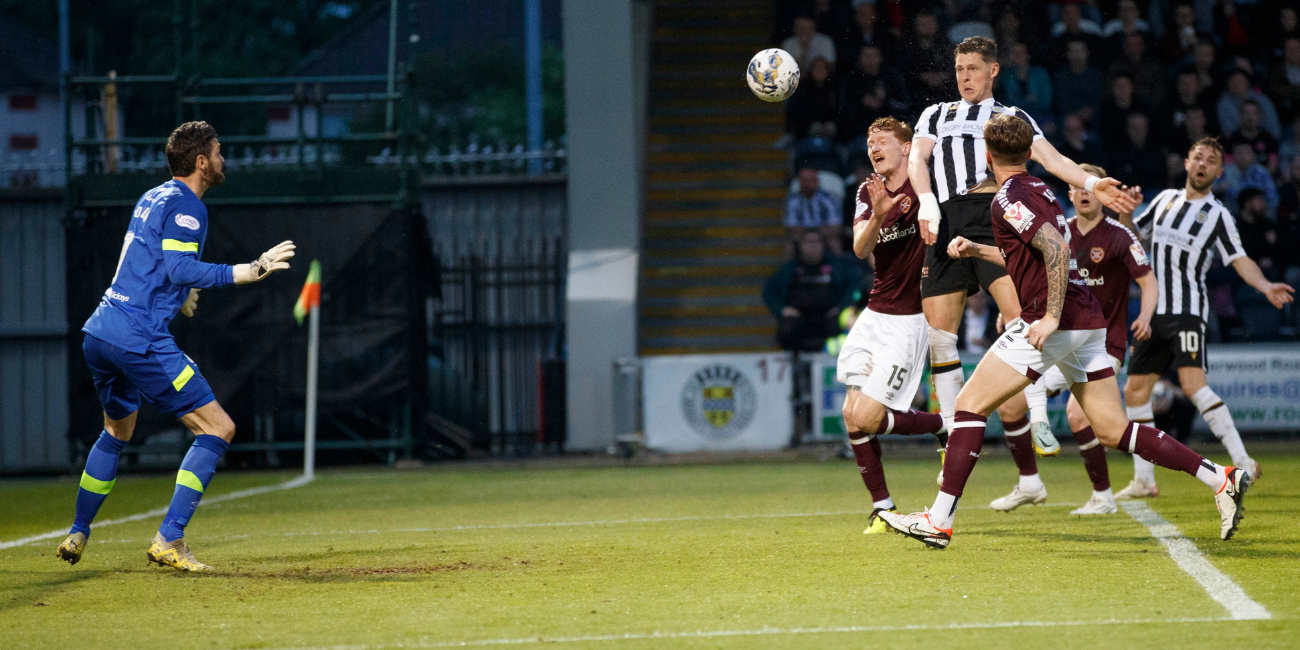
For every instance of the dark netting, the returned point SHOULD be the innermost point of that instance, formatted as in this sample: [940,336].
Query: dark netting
[376,279]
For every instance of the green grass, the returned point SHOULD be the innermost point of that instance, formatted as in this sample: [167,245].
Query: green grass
[374,559]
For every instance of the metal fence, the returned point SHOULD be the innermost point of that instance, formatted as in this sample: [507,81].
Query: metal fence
[499,316]
[33,334]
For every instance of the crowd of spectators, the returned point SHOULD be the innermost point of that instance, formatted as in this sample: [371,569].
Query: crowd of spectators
[1128,84]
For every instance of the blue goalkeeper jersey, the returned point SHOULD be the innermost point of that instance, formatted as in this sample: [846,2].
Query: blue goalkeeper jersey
[158,266]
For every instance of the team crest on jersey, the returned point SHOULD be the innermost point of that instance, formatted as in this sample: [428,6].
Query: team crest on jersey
[905,204]
[186,221]
[1019,216]
[1200,216]
[1097,254]
[1139,255]
[719,402]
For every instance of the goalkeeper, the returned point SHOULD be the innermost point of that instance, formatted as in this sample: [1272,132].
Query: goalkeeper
[132,354]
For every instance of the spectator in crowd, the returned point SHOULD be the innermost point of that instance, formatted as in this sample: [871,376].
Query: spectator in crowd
[1026,86]
[972,21]
[1129,21]
[807,44]
[1284,80]
[978,328]
[807,293]
[1289,197]
[1138,159]
[1147,74]
[1078,85]
[871,91]
[1259,236]
[1187,96]
[811,207]
[1250,134]
[1181,38]
[1114,113]
[1289,149]
[1286,28]
[1231,29]
[929,61]
[1203,59]
[1076,143]
[867,30]
[832,18]
[1239,90]
[1180,142]
[814,109]
[1007,28]
[1246,172]
[1073,27]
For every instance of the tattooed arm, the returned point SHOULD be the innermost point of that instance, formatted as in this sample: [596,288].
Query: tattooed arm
[1056,255]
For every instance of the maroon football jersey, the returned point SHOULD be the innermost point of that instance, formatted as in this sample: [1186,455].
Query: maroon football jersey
[900,253]
[1110,258]
[1021,207]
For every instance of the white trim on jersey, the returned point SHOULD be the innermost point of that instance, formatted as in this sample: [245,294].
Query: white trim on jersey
[957,129]
[1180,233]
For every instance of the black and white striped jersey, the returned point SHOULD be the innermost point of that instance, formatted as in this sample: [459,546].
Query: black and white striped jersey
[957,129]
[1180,233]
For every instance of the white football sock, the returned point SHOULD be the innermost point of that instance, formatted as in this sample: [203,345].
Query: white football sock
[1105,495]
[941,513]
[887,504]
[1036,395]
[1142,468]
[1213,475]
[1030,483]
[1219,418]
[943,352]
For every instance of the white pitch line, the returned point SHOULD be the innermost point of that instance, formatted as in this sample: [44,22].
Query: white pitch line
[1190,559]
[539,524]
[287,485]
[764,631]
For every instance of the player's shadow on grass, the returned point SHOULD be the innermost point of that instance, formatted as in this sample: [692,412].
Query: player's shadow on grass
[28,593]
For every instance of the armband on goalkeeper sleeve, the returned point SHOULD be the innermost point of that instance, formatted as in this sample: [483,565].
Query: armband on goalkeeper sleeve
[276,259]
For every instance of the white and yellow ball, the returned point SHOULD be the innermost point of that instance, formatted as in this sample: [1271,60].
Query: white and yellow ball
[773,75]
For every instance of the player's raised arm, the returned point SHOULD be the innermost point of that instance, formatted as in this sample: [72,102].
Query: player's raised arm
[1108,190]
[276,259]
[180,249]
[866,234]
[918,171]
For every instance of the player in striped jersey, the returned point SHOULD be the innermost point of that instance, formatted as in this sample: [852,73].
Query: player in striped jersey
[954,187]
[1184,227]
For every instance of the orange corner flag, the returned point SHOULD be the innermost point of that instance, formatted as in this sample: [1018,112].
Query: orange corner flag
[309,299]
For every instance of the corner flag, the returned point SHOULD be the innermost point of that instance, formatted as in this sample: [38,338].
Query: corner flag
[309,299]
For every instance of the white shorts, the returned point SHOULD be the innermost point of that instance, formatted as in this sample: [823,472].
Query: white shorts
[1055,382]
[1079,354]
[884,355]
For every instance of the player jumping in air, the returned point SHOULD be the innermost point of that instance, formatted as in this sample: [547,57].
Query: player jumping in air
[1181,226]
[883,356]
[1109,258]
[132,354]
[949,174]
[1061,325]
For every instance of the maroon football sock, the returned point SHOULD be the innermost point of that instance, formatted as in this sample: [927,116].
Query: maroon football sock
[1155,447]
[867,453]
[1021,446]
[1094,458]
[910,423]
[964,444]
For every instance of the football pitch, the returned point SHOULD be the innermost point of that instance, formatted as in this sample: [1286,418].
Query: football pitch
[721,555]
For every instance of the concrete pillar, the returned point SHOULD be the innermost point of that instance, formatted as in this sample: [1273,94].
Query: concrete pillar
[604,70]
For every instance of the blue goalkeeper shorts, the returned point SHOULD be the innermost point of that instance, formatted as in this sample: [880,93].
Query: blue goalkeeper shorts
[165,376]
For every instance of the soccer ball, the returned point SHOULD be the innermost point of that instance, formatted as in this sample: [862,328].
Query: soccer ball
[772,75]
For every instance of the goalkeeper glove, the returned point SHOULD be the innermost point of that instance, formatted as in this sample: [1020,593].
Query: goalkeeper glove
[276,259]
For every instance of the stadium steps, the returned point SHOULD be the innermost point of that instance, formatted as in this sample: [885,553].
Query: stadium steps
[715,186]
